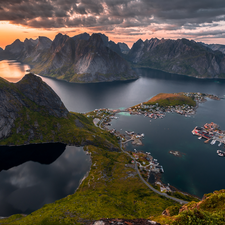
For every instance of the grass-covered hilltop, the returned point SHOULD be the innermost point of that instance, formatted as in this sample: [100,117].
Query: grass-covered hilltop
[169,99]
[31,112]
[184,103]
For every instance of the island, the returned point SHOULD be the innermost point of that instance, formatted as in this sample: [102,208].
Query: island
[181,103]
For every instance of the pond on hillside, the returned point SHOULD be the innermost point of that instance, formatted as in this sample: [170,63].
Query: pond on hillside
[34,175]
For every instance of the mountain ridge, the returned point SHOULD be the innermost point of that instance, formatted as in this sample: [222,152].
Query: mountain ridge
[180,56]
[82,58]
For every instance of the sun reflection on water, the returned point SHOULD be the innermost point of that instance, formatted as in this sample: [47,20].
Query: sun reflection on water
[12,71]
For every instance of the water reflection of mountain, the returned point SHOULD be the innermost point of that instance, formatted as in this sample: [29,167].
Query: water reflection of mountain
[48,172]
[42,153]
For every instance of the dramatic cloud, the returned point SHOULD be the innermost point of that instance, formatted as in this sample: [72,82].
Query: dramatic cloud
[107,15]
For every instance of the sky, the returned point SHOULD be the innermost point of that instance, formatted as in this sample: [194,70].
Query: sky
[121,20]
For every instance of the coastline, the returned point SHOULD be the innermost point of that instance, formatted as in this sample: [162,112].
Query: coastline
[112,115]
[185,75]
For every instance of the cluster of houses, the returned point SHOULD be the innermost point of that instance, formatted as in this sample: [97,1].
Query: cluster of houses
[210,131]
[154,111]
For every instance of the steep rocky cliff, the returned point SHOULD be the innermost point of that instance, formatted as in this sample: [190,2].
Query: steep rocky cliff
[82,61]
[180,56]
[215,47]
[82,58]
[31,93]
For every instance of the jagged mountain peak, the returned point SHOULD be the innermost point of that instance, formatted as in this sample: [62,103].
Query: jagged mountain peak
[43,43]
[59,41]
[104,38]
[83,36]
[96,40]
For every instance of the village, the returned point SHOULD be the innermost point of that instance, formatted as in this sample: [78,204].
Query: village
[155,111]
[147,165]
[212,134]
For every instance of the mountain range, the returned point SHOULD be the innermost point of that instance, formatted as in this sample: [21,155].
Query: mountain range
[84,58]
[180,56]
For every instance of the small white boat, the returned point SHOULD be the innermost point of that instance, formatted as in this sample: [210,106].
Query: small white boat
[221,153]
[220,144]
[199,137]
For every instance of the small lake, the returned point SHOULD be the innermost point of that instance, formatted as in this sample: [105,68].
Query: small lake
[34,175]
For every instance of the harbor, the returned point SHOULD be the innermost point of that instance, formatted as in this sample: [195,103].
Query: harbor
[170,127]
[213,135]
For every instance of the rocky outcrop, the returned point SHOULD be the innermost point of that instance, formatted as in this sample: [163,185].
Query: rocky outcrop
[11,104]
[39,92]
[31,92]
[123,47]
[180,56]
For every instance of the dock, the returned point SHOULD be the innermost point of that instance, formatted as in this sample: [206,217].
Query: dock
[210,132]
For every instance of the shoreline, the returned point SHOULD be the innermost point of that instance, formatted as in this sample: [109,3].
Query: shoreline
[135,66]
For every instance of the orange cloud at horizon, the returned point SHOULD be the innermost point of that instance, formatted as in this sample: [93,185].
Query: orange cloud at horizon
[11,32]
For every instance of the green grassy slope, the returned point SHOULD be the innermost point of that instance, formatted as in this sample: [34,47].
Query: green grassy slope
[210,211]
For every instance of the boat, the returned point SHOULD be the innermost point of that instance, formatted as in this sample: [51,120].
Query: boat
[220,144]
[200,137]
[213,142]
[129,132]
[220,153]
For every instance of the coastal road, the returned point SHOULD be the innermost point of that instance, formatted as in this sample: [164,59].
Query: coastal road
[149,186]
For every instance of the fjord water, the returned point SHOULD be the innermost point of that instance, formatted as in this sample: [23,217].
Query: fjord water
[199,171]
[123,94]
[34,175]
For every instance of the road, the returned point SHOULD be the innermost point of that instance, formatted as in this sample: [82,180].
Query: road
[149,186]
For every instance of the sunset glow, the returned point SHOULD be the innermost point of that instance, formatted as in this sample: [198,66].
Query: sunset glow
[122,21]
